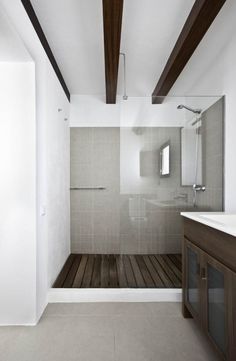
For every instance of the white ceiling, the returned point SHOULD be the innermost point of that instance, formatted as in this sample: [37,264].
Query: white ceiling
[12,48]
[74,29]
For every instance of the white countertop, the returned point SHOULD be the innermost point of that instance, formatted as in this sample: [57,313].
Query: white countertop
[222,221]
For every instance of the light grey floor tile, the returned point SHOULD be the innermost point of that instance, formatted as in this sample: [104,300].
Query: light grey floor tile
[64,338]
[159,339]
[107,332]
[101,309]
[166,309]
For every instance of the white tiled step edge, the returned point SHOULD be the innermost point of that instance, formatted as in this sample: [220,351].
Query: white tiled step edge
[58,295]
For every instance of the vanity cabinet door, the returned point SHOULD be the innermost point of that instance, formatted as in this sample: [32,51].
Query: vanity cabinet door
[191,279]
[218,285]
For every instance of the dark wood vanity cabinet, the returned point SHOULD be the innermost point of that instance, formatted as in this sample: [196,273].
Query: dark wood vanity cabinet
[209,288]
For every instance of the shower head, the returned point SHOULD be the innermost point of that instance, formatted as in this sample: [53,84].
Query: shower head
[195,111]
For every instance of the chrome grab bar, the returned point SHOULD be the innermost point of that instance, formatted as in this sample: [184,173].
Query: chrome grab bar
[87,188]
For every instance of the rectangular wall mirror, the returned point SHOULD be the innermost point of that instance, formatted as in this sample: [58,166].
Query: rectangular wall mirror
[165,160]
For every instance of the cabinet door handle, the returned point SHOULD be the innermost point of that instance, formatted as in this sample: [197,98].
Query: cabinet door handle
[203,274]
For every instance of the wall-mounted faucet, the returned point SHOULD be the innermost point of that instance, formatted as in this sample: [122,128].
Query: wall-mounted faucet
[198,188]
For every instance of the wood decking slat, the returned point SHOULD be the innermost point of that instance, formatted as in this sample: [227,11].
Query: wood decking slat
[153,273]
[129,273]
[80,273]
[147,278]
[71,274]
[112,271]
[64,272]
[121,272]
[113,278]
[88,272]
[173,266]
[137,273]
[96,277]
[168,270]
[165,279]
[177,262]
[105,271]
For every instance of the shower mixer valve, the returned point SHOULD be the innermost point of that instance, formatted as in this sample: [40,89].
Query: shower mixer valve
[198,187]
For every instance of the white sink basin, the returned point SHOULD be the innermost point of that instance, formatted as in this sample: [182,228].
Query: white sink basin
[224,219]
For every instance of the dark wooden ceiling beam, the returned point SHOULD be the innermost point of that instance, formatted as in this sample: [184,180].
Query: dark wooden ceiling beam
[198,22]
[112,21]
[37,27]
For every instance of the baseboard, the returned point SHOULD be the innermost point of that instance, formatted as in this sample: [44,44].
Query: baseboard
[18,324]
[67,295]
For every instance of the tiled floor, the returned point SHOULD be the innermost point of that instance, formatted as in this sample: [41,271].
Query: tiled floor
[107,332]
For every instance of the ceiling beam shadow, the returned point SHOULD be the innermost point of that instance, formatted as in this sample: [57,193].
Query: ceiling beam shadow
[112,21]
[198,22]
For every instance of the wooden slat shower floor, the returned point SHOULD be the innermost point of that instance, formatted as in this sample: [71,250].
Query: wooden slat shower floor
[120,271]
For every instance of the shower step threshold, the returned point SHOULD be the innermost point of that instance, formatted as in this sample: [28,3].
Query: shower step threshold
[85,295]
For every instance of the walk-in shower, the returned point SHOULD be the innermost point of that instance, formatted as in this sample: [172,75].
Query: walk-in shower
[132,173]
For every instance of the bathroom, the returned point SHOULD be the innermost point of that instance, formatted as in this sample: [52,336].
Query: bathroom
[117,187]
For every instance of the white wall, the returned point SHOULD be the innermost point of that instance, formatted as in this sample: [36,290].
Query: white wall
[211,70]
[17,194]
[57,136]
[52,164]
[92,111]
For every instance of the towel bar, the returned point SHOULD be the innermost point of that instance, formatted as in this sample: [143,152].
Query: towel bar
[87,188]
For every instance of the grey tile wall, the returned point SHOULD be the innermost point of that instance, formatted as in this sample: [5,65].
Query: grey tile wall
[95,214]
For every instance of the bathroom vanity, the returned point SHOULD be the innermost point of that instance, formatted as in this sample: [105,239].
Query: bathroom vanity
[209,277]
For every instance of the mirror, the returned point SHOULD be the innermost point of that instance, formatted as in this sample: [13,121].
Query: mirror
[165,160]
